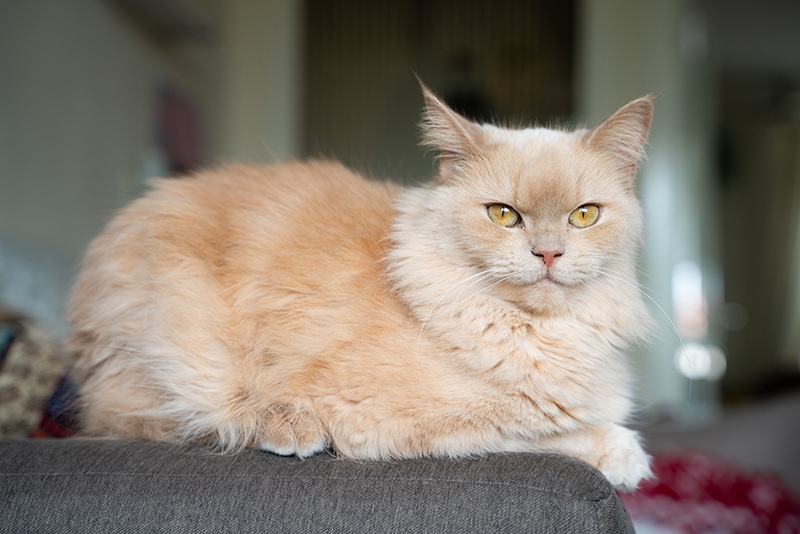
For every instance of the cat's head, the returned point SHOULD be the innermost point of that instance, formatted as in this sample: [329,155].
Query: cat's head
[543,212]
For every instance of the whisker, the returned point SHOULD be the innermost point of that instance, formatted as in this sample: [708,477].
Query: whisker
[450,290]
[494,284]
[473,279]
[636,285]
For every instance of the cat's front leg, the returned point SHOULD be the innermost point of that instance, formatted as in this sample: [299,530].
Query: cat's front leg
[614,450]
[622,459]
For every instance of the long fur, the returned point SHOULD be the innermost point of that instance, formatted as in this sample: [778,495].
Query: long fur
[298,307]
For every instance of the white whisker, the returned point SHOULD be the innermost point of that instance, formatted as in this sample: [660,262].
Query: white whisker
[473,279]
[435,307]
[494,284]
[636,285]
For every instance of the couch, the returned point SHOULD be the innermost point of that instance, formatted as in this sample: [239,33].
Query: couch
[88,486]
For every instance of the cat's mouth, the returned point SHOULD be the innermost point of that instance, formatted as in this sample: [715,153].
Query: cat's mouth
[552,279]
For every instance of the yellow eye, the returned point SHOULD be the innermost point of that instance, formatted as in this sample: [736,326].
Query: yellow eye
[584,216]
[503,215]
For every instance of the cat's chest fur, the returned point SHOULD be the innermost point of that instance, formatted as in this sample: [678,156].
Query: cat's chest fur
[547,370]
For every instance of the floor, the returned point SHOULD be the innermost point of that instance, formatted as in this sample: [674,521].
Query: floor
[764,436]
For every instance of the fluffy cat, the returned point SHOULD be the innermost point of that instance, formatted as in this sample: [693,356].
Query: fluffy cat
[298,307]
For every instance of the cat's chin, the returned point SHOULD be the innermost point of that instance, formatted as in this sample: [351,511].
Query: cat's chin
[547,292]
[546,283]
[541,295]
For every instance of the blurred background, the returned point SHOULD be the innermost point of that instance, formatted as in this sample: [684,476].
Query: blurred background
[96,96]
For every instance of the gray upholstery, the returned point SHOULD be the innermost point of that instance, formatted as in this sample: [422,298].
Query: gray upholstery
[115,486]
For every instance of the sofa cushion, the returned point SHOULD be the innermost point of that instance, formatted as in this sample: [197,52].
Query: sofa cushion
[77,485]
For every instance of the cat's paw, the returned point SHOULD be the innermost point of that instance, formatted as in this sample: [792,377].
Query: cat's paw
[288,431]
[623,462]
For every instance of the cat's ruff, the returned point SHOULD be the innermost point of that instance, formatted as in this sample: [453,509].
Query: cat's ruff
[299,307]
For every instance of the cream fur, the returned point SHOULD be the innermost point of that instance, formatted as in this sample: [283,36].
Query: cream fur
[299,307]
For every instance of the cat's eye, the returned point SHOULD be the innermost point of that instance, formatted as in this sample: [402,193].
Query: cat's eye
[585,216]
[503,215]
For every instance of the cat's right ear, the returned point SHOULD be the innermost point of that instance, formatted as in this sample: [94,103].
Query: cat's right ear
[455,138]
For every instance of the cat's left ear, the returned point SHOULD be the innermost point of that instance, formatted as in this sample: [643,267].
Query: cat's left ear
[624,134]
[455,138]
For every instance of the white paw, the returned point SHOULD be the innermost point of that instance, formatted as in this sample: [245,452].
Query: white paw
[303,451]
[624,463]
[290,431]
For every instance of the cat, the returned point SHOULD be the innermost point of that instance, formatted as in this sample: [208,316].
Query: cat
[299,307]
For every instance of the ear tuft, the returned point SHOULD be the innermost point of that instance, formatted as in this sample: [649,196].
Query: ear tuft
[624,134]
[454,137]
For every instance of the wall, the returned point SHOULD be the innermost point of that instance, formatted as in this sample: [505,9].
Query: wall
[74,123]
[628,49]
[78,95]
[261,66]
[756,53]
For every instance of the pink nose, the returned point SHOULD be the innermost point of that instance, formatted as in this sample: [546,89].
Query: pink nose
[548,256]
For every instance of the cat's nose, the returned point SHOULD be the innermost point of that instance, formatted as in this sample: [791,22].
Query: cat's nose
[548,257]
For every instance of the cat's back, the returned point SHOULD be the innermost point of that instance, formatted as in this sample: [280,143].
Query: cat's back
[280,198]
[215,214]
[208,243]
[204,279]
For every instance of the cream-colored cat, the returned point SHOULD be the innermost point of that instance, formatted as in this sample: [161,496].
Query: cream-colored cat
[299,307]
